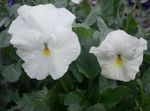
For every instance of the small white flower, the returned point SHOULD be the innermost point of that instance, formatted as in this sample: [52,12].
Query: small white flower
[76,1]
[120,55]
[44,39]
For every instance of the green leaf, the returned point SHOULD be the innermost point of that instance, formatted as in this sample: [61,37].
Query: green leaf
[107,7]
[35,101]
[111,97]
[73,98]
[147,107]
[60,3]
[12,72]
[103,28]
[87,63]
[130,25]
[4,39]
[147,52]
[91,18]
[13,9]
[85,6]
[140,32]
[96,107]
[76,98]
[106,83]
[102,25]
[13,95]
[82,30]
[74,107]
[2,22]
[4,97]
[146,81]
[75,72]
[146,77]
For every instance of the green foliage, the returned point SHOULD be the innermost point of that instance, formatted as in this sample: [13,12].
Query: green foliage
[91,18]
[82,88]
[4,39]
[12,72]
[96,107]
[146,81]
[73,98]
[36,101]
[111,97]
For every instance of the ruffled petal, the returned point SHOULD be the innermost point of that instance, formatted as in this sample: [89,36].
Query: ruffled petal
[128,48]
[18,25]
[103,53]
[46,18]
[135,53]
[28,45]
[39,28]
[120,40]
[27,39]
[65,50]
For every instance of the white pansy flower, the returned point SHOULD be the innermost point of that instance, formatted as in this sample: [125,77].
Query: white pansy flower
[76,1]
[120,55]
[44,40]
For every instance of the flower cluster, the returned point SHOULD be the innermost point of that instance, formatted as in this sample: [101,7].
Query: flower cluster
[46,43]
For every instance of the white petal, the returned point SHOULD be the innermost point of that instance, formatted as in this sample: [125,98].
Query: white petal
[39,25]
[46,18]
[37,67]
[109,70]
[137,56]
[28,45]
[131,68]
[58,66]
[28,54]
[67,18]
[28,39]
[120,43]
[120,40]
[18,25]
[125,73]
[64,52]
[76,1]
[104,53]
[143,44]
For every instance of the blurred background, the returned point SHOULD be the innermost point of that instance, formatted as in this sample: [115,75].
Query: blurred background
[82,88]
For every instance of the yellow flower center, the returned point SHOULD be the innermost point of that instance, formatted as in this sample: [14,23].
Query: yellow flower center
[119,60]
[46,51]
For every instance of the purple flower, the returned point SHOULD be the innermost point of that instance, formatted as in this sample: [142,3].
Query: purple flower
[145,3]
[11,2]
[130,2]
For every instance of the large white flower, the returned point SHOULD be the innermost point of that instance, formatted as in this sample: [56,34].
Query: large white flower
[76,1]
[44,39]
[120,55]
